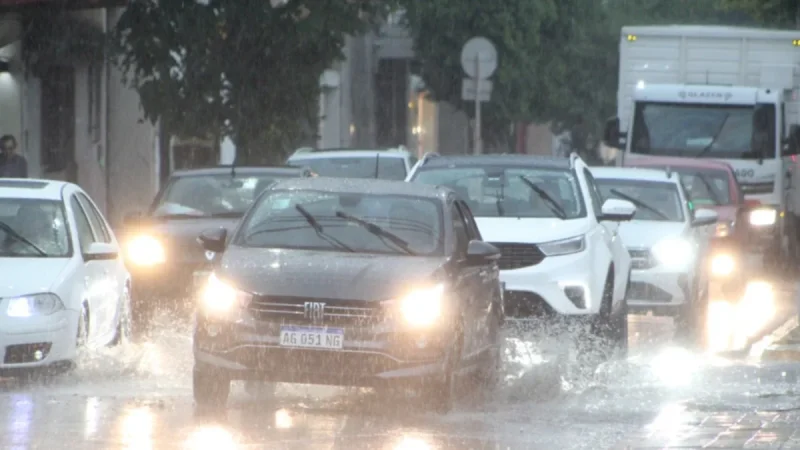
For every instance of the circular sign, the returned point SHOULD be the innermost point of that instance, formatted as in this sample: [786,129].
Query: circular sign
[486,53]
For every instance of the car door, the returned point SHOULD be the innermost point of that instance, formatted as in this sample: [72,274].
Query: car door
[113,272]
[468,283]
[93,273]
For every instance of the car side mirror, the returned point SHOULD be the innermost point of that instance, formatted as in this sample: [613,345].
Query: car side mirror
[479,253]
[611,133]
[214,240]
[617,210]
[704,217]
[99,251]
[792,143]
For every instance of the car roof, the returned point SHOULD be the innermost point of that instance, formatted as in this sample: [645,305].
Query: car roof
[32,188]
[546,162]
[627,173]
[328,154]
[239,170]
[362,186]
[698,163]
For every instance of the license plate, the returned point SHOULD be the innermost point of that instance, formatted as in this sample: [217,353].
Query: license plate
[312,337]
[200,277]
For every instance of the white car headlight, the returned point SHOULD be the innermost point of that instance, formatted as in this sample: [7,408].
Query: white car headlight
[145,250]
[674,253]
[563,247]
[722,265]
[421,307]
[220,297]
[33,305]
[763,217]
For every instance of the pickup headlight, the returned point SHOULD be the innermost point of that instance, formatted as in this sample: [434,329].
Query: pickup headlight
[145,250]
[724,228]
[763,217]
[674,253]
[564,246]
[722,265]
[33,305]
[220,297]
[420,307]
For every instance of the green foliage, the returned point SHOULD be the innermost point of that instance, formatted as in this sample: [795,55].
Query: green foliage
[773,13]
[236,68]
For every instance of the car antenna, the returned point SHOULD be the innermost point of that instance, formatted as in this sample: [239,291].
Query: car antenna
[377,164]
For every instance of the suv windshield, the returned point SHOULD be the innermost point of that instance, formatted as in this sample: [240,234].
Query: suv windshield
[705,186]
[505,191]
[33,228]
[388,167]
[656,201]
[211,195]
[315,220]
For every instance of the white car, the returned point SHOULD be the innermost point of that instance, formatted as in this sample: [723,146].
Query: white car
[667,240]
[560,252]
[65,285]
[387,164]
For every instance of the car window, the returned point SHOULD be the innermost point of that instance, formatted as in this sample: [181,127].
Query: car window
[41,223]
[96,219]
[472,227]
[276,222]
[594,192]
[655,200]
[703,186]
[382,167]
[509,191]
[460,229]
[84,227]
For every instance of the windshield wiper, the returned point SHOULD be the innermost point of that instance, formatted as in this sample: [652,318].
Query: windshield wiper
[179,216]
[554,206]
[707,148]
[227,215]
[639,203]
[320,231]
[377,231]
[11,232]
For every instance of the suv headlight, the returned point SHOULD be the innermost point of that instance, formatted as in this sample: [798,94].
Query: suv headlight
[420,307]
[33,305]
[675,253]
[220,297]
[145,250]
[724,228]
[563,247]
[763,217]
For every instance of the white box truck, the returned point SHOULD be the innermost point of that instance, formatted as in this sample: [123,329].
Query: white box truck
[726,93]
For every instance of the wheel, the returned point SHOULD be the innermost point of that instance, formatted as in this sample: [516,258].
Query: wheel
[82,335]
[690,321]
[210,388]
[124,321]
[620,330]
[602,325]
[488,375]
[439,395]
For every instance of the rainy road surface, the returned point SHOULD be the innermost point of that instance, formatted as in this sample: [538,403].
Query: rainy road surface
[139,397]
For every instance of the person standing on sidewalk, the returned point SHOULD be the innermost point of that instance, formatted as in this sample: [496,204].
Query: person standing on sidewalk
[12,164]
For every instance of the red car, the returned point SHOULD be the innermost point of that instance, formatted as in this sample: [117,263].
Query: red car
[712,184]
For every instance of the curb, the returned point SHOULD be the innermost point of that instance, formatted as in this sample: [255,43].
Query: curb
[780,345]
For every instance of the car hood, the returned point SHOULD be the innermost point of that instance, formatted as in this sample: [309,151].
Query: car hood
[179,236]
[331,275]
[528,230]
[646,233]
[23,276]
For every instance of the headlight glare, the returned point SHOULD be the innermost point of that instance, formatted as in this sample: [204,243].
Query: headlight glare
[145,250]
[722,265]
[422,307]
[723,229]
[674,253]
[763,217]
[564,247]
[33,305]
[220,297]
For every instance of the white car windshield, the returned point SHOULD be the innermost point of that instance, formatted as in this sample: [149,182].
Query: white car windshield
[655,201]
[362,223]
[371,166]
[33,228]
[504,191]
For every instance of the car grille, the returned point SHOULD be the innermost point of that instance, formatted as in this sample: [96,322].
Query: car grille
[648,292]
[517,256]
[641,259]
[292,310]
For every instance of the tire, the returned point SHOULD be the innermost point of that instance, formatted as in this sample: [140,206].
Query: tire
[488,375]
[439,395]
[82,334]
[124,321]
[620,330]
[602,325]
[691,318]
[210,388]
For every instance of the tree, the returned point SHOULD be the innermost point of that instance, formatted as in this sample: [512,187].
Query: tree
[243,69]
[774,13]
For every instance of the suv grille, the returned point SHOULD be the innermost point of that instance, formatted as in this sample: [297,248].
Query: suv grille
[641,259]
[517,256]
[291,310]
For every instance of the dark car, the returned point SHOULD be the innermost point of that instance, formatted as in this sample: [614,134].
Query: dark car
[160,246]
[368,283]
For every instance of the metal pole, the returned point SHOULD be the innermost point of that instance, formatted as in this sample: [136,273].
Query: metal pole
[478,143]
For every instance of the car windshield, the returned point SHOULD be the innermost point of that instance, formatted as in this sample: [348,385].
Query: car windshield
[335,221]
[705,186]
[33,228]
[388,167]
[505,191]
[655,201]
[211,195]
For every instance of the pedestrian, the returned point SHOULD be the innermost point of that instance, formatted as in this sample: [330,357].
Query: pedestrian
[12,164]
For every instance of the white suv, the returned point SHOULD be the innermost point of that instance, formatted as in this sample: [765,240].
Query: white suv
[667,241]
[561,255]
[388,164]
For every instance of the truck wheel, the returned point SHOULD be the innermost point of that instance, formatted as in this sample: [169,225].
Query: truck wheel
[210,388]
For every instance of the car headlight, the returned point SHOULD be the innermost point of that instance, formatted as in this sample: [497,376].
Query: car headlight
[564,246]
[763,217]
[33,305]
[723,229]
[674,253]
[421,307]
[145,250]
[722,265]
[220,297]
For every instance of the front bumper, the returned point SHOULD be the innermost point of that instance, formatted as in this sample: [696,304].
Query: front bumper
[557,285]
[37,342]
[658,289]
[372,354]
